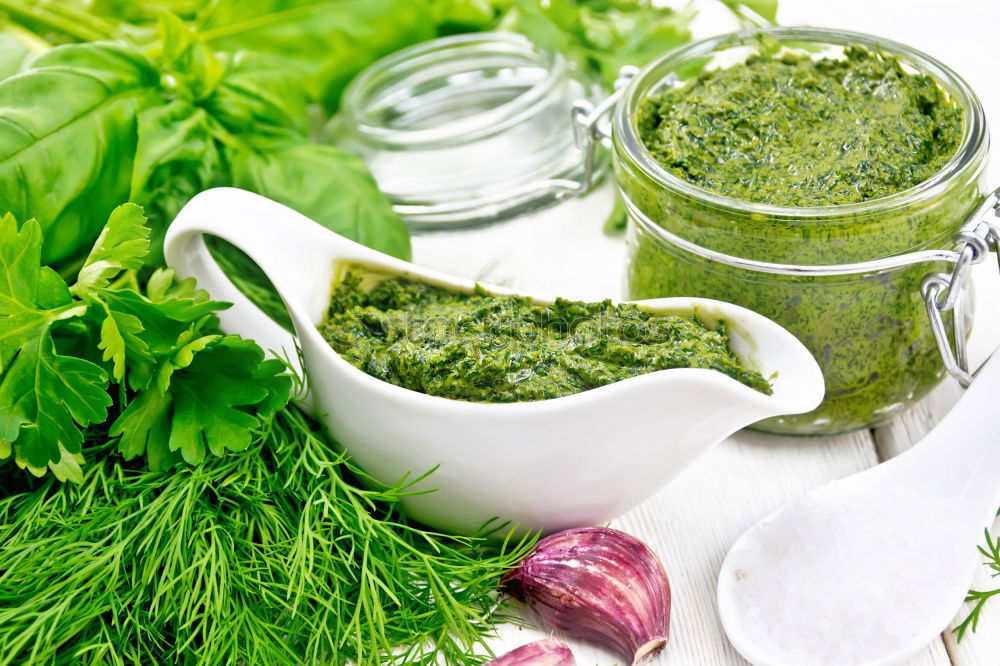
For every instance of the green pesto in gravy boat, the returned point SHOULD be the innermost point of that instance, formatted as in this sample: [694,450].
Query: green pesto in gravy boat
[483,347]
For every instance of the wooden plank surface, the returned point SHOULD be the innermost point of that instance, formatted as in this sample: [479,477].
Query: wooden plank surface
[692,522]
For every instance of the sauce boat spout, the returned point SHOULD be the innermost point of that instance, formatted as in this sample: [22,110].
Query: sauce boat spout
[699,408]
[581,459]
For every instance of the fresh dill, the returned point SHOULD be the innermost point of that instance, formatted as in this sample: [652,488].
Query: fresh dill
[274,555]
[991,555]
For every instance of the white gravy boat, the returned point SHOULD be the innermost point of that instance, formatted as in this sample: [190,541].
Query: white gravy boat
[578,460]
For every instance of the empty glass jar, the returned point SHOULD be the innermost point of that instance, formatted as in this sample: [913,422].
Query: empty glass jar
[468,129]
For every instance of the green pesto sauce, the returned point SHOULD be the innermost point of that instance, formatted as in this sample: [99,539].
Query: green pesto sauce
[791,131]
[788,131]
[486,348]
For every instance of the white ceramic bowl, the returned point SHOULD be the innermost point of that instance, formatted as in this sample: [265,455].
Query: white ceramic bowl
[578,460]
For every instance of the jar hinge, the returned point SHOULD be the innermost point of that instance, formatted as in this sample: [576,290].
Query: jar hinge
[588,128]
[942,291]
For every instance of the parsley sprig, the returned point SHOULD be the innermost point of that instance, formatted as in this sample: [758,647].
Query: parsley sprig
[152,358]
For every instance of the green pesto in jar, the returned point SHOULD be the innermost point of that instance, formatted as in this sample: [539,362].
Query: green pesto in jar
[488,348]
[792,131]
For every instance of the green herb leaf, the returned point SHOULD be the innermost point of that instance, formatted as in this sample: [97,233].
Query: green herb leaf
[177,157]
[198,391]
[186,390]
[765,9]
[274,556]
[979,598]
[45,397]
[13,55]
[220,392]
[160,133]
[456,16]
[19,286]
[326,184]
[76,105]
[123,244]
[261,93]
[598,36]
[121,337]
[328,42]
[214,398]
[195,71]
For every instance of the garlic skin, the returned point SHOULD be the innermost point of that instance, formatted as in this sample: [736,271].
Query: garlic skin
[549,652]
[598,584]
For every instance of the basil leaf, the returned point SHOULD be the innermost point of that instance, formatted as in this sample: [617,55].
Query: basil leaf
[13,56]
[260,93]
[326,184]
[194,69]
[330,41]
[68,139]
[177,157]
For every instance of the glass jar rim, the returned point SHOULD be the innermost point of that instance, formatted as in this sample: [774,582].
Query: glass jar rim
[455,49]
[974,142]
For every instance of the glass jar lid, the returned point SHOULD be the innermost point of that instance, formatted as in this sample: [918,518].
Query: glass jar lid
[468,129]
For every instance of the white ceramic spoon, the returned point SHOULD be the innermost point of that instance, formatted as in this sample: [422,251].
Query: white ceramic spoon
[870,569]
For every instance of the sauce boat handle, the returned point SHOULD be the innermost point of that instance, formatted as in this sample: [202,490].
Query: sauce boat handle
[295,253]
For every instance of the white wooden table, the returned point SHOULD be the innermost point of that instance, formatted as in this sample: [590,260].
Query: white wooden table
[692,522]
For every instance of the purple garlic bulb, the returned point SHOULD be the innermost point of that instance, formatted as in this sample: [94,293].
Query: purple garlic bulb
[597,584]
[549,652]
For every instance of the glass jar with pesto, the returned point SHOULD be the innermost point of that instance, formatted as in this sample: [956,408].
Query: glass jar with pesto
[751,163]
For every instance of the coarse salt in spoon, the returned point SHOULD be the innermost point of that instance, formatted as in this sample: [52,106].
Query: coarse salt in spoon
[870,569]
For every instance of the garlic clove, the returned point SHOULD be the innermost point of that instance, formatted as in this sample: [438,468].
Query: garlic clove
[548,652]
[598,584]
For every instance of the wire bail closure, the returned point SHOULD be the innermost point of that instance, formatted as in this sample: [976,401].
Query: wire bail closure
[589,131]
[942,292]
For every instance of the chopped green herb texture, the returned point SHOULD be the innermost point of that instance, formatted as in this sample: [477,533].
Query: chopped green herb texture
[486,348]
[794,130]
